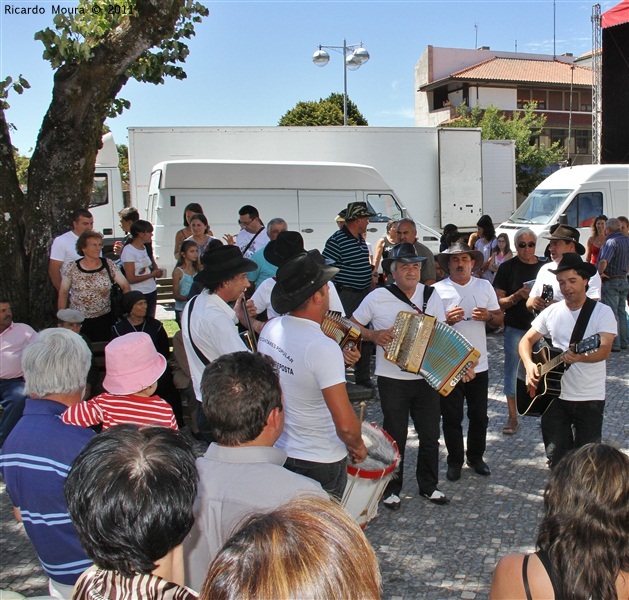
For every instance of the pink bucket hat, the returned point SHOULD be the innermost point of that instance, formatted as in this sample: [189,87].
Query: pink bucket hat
[132,364]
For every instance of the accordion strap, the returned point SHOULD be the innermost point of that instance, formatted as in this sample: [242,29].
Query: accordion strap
[400,295]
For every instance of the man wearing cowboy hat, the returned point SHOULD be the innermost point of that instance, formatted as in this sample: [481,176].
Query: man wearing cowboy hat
[287,245]
[576,417]
[403,393]
[347,249]
[208,323]
[469,303]
[563,238]
[321,426]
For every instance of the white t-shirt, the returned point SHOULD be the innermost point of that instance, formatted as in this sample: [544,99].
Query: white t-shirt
[244,237]
[582,381]
[544,276]
[63,248]
[262,298]
[381,308]
[214,333]
[307,361]
[142,263]
[476,293]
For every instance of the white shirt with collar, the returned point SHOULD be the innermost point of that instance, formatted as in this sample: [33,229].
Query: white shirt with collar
[214,331]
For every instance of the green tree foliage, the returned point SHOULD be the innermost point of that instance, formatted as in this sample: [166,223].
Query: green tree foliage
[93,53]
[326,111]
[123,156]
[524,127]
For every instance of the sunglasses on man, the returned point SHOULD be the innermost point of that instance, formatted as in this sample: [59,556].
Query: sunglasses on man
[525,244]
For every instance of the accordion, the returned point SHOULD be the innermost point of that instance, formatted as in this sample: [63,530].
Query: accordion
[341,330]
[433,349]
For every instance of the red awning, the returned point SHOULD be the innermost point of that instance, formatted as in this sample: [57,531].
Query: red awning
[616,15]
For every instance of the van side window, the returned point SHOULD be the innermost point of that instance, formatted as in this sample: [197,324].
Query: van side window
[584,208]
[385,207]
[99,190]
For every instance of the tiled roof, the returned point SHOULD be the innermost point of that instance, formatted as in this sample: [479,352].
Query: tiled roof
[526,71]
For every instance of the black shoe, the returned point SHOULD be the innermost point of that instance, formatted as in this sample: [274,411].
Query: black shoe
[367,383]
[454,473]
[437,497]
[480,467]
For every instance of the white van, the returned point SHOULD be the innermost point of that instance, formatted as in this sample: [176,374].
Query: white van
[580,193]
[307,195]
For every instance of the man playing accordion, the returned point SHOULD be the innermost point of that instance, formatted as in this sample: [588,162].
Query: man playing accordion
[403,393]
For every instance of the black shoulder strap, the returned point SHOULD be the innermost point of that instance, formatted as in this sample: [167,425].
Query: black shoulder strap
[582,320]
[545,560]
[107,269]
[198,352]
[400,295]
[252,240]
[525,578]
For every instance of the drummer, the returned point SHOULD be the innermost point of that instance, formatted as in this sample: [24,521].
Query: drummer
[321,427]
[403,393]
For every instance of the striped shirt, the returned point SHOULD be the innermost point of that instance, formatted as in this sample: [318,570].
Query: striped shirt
[615,251]
[110,585]
[351,256]
[110,410]
[35,462]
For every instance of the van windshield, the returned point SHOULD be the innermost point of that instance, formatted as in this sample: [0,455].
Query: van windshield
[540,207]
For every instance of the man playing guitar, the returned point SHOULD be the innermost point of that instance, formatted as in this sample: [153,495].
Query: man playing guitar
[582,399]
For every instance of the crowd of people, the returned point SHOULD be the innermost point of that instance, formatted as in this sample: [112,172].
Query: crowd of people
[108,487]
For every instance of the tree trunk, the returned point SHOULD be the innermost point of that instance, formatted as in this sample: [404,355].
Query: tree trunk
[13,284]
[62,166]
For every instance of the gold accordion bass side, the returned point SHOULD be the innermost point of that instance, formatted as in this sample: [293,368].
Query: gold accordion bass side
[341,330]
[433,349]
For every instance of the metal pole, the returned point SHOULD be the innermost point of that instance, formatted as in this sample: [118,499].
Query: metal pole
[344,83]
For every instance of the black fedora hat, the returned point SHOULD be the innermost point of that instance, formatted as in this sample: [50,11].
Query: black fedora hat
[221,263]
[297,280]
[404,253]
[571,260]
[567,234]
[444,257]
[286,245]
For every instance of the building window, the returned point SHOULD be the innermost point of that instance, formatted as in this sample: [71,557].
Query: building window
[539,96]
[555,100]
[583,141]
[524,97]
[559,136]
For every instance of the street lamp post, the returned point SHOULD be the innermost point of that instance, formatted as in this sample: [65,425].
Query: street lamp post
[354,56]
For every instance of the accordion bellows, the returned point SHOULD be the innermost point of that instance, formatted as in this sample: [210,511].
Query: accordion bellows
[340,329]
[433,349]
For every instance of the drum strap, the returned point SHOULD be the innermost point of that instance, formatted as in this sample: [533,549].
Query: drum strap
[400,295]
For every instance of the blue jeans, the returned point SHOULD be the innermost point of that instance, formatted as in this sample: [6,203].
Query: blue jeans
[569,425]
[512,337]
[331,476]
[12,399]
[400,398]
[614,294]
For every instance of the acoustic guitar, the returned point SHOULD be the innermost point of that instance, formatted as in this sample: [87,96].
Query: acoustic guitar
[551,368]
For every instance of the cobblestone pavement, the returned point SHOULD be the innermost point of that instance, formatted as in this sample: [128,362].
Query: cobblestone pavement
[427,551]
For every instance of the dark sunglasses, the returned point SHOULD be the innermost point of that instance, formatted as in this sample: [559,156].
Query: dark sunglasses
[525,244]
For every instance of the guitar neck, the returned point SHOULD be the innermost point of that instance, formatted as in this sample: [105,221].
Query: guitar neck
[551,364]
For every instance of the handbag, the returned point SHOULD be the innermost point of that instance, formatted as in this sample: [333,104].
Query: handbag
[115,294]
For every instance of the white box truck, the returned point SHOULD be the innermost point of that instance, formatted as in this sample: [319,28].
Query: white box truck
[440,175]
[307,195]
[578,195]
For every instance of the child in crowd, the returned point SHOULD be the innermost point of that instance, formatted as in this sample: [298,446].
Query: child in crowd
[183,275]
[133,367]
[501,253]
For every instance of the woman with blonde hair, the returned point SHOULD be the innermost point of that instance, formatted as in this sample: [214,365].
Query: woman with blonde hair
[309,548]
[583,540]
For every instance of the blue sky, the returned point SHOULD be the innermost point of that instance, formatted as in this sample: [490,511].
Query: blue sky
[250,62]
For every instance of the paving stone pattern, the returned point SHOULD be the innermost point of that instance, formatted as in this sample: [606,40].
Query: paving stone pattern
[427,551]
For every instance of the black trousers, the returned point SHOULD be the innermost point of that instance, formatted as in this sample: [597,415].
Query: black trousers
[475,394]
[351,300]
[562,416]
[415,398]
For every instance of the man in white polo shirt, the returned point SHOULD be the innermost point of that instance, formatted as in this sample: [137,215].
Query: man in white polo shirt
[63,249]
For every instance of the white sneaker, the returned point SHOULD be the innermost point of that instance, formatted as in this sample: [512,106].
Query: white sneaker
[392,502]
[437,497]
